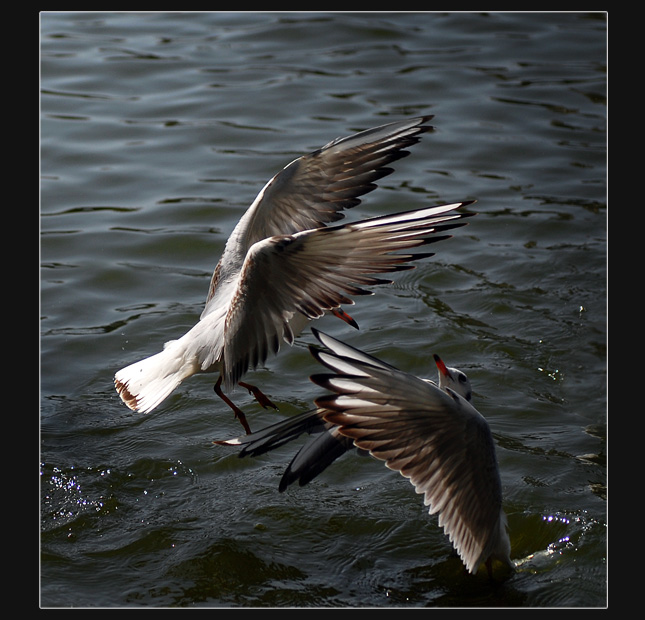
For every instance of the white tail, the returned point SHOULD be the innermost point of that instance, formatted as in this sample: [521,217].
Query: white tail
[145,384]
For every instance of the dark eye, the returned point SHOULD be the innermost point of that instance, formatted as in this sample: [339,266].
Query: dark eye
[462,378]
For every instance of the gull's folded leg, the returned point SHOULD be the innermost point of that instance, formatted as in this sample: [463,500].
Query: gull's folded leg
[259,396]
[239,414]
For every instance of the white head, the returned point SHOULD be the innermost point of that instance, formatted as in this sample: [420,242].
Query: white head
[454,379]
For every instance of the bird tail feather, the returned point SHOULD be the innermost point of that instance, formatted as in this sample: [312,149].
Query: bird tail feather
[143,385]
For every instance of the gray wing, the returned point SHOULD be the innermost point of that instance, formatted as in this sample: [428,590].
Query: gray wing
[291,278]
[278,434]
[434,438]
[314,189]
[315,456]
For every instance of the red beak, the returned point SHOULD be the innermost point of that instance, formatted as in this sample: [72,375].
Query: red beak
[341,314]
[441,366]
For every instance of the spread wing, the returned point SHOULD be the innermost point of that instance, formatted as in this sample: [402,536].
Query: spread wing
[326,445]
[277,434]
[434,438]
[288,279]
[314,189]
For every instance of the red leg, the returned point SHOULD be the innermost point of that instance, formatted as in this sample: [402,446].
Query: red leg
[259,396]
[239,414]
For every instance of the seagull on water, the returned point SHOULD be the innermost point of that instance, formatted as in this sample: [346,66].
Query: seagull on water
[284,265]
[429,433]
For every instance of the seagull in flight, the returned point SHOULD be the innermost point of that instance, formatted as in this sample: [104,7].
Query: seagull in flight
[432,436]
[285,264]
[429,432]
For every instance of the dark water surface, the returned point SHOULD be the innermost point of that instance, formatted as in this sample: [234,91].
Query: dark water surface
[157,131]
